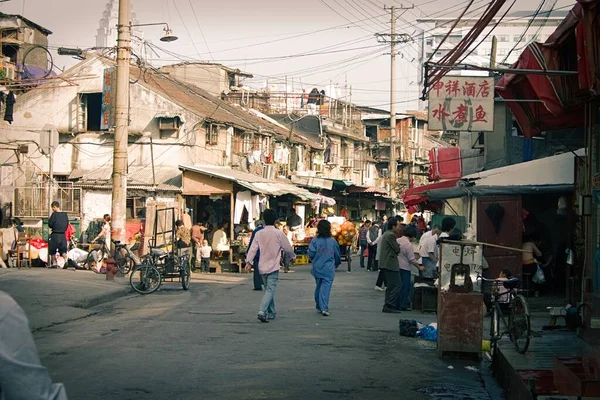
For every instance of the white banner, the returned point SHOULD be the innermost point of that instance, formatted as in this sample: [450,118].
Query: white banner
[460,103]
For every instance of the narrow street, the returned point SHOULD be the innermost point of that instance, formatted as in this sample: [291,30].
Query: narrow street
[207,343]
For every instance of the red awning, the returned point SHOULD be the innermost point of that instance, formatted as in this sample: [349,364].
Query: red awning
[366,189]
[572,47]
[418,195]
[551,112]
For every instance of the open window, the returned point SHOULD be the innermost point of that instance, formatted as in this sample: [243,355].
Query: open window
[90,112]
[212,134]
[169,127]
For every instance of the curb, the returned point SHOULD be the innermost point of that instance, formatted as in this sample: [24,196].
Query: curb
[102,298]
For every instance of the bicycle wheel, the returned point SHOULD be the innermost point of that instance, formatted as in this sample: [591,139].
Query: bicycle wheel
[185,277]
[125,265]
[520,328]
[145,279]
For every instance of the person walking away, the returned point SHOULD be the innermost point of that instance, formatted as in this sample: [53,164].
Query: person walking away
[428,253]
[22,375]
[407,261]
[324,254]
[256,278]
[197,232]
[388,261]
[362,241]
[205,251]
[270,241]
[59,223]
[372,235]
[290,237]
[183,238]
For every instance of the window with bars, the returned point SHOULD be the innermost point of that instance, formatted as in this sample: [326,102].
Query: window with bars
[347,157]
[360,160]
[243,143]
[212,134]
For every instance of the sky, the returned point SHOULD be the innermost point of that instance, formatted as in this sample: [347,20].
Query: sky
[259,36]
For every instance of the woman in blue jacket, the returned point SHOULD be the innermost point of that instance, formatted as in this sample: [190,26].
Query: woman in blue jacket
[324,253]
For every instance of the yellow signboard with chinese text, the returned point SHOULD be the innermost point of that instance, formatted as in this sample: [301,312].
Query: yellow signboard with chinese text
[460,103]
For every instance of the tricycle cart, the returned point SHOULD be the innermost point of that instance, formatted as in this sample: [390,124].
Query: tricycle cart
[164,260]
[346,253]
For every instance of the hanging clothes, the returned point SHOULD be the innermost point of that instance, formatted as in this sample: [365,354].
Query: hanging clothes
[242,200]
[10,104]
[255,212]
[262,204]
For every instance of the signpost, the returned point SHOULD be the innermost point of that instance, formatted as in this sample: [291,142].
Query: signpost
[109,92]
[461,103]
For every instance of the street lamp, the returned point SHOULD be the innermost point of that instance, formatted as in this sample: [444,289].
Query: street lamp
[168,33]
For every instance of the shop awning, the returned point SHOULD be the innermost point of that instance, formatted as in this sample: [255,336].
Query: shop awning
[556,101]
[418,195]
[139,178]
[555,174]
[313,182]
[250,181]
[367,189]
[551,104]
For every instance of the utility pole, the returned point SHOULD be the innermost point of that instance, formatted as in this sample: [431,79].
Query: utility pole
[394,39]
[119,175]
[493,54]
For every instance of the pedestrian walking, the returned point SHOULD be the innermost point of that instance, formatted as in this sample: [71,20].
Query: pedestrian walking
[256,278]
[270,241]
[362,241]
[324,254]
[372,239]
[388,261]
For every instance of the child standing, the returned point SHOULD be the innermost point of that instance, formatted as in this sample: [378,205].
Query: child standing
[290,237]
[324,253]
[205,252]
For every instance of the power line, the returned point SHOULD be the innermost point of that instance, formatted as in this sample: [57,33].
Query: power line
[200,28]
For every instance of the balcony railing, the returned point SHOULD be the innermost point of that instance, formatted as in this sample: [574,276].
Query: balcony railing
[341,112]
[32,201]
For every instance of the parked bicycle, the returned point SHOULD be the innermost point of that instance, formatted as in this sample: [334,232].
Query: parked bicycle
[506,298]
[125,258]
[158,265]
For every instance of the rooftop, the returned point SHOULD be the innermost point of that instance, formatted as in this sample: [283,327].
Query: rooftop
[26,21]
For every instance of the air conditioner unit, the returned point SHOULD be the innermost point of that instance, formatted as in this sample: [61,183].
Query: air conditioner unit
[9,72]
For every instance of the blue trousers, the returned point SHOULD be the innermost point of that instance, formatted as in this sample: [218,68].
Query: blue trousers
[257,278]
[267,305]
[405,290]
[322,292]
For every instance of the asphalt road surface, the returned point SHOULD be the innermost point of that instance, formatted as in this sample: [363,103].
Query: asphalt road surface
[206,343]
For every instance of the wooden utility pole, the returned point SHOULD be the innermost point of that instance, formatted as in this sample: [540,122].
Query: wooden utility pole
[393,163]
[493,53]
[119,175]
[394,39]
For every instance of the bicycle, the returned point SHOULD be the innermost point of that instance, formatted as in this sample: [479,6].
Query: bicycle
[124,257]
[158,265]
[518,326]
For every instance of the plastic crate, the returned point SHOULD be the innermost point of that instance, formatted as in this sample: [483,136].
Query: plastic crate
[301,259]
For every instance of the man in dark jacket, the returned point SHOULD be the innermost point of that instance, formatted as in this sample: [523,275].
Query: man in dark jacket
[257,277]
[58,222]
[388,262]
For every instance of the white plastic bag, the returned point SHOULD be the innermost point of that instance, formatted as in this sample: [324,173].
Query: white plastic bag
[539,277]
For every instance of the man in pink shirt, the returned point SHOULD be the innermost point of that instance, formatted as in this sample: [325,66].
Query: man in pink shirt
[270,241]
